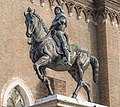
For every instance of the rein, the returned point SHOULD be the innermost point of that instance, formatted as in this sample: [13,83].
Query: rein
[40,33]
[39,23]
[34,26]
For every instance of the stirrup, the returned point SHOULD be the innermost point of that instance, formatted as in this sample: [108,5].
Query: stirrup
[68,63]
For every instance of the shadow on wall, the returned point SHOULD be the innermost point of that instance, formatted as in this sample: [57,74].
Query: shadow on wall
[41,90]
[58,86]
[93,40]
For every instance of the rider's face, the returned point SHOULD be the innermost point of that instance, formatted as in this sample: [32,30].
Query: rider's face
[57,11]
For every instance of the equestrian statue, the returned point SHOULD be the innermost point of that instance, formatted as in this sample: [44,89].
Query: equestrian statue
[50,48]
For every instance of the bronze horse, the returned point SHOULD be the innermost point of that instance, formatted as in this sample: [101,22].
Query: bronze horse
[45,54]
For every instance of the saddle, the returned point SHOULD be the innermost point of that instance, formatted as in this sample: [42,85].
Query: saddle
[58,46]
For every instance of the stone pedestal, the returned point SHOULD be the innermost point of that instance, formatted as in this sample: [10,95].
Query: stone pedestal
[63,101]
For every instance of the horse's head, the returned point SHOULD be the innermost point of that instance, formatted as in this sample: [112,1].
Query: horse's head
[35,26]
[31,22]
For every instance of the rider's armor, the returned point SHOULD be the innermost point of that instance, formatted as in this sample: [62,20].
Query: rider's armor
[58,26]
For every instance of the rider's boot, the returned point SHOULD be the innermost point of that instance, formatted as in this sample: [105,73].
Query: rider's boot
[68,63]
[67,55]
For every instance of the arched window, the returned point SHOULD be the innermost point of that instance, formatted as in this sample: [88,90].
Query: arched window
[15,98]
[17,94]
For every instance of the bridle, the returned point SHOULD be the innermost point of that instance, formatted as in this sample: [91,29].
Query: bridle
[33,29]
[37,22]
[34,25]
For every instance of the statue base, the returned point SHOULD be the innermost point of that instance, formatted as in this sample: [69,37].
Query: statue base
[63,101]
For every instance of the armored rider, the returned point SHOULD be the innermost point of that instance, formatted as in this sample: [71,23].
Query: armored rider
[57,30]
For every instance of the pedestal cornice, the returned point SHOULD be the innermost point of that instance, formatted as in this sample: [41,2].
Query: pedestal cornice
[63,101]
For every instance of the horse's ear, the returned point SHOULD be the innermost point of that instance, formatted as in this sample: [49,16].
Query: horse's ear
[24,14]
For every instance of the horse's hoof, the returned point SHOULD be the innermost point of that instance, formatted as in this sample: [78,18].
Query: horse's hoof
[74,96]
[50,94]
[89,100]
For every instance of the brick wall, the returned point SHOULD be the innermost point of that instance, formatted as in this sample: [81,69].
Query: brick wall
[99,40]
[108,54]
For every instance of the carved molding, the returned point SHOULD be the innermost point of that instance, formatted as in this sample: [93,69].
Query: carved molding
[8,87]
[114,4]
[89,3]
[105,13]
[91,14]
[70,6]
[15,98]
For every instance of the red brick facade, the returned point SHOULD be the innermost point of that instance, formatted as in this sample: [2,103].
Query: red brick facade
[93,24]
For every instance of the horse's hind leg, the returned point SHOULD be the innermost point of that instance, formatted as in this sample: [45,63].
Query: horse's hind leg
[86,86]
[79,85]
[79,78]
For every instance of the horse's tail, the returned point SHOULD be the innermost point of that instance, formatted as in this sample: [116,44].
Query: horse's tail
[95,67]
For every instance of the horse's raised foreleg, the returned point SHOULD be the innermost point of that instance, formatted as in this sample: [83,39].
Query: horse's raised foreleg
[86,86]
[38,67]
[39,73]
[41,62]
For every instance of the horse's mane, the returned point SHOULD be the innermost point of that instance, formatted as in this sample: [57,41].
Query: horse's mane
[42,22]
